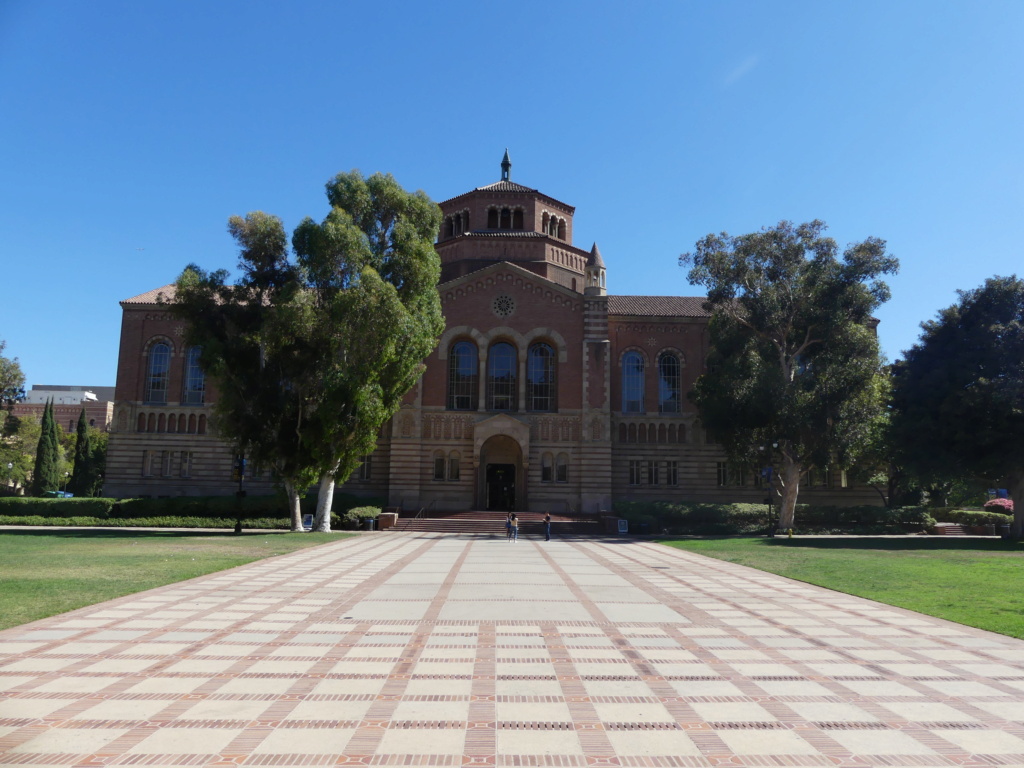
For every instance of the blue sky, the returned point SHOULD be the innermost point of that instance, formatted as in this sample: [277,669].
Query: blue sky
[130,132]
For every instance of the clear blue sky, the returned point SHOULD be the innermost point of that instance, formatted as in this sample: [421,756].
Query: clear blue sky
[130,132]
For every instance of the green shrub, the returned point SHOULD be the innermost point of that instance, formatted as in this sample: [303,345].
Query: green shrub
[973,517]
[738,519]
[19,506]
[353,518]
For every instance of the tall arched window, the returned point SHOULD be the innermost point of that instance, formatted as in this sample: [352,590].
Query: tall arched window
[633,383]
[463,373]
[492,218]
[195,379]
[501,377]
[669,383]
[540,378]
[157,371]
[517,218]
[506,219]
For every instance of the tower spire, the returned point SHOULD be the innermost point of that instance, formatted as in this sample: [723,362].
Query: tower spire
[506,167]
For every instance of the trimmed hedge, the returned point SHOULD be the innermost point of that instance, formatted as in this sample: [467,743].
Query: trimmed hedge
[269,512]
[972,517]
[708,519]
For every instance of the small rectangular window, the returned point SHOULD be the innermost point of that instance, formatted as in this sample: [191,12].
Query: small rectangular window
[166,457]
[635,471]
[185,467]
[546,469]
[364,469]
[562,470]
[147,470]
[453,467]
[722,471]
[671,473]
[652,473]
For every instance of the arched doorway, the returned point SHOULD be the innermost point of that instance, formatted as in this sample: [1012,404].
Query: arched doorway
[501,478]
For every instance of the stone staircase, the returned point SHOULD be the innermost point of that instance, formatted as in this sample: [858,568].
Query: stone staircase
[949,529]
[531,524]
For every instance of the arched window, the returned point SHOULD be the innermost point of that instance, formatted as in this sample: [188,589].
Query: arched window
[202,425]
[552,226]
[151,423]
[562,468]
[540,378]
[561,229]
[463,377]
[192,424]
[492,218]
[633,383]
[438,465]
[622,433]
[669,383]
[195,379]
[453,465]
[157,370]
[142,423]
[161,425]
[449,227]
[501,377]
[517,218]
[506,219]
[172,423]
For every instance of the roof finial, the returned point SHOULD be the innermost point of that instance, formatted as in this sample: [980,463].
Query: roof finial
[506,167]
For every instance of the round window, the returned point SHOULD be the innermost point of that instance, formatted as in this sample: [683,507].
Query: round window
[503,306]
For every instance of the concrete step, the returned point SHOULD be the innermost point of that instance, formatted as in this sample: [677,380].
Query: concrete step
[493,523]
[949,529]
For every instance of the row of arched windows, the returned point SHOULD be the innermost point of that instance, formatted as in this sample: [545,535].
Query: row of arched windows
[455,224]
[501,386]
[504,218]
[158,375]
[553,225]
[634,383]
[180,423]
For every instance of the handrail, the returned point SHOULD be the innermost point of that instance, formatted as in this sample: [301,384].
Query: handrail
[425,509]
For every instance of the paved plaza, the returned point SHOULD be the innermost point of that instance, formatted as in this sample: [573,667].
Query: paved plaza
[424,649]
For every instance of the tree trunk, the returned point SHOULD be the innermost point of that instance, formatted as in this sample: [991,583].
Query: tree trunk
[1016,490]
[324,502]
[294,509]
[789,479]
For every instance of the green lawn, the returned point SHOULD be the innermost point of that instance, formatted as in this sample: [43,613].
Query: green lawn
[978,582]
[46,572]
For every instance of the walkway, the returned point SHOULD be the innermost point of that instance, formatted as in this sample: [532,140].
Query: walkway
[418,649]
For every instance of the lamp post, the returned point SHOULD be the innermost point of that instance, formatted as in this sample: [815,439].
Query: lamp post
[67,475]
[768,473]
[10,474]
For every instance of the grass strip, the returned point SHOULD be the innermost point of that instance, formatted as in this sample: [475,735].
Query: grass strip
[46,572]
[977,582]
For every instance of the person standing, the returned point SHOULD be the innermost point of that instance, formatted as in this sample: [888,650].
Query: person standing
[547,527]
[508,526]
[515,526]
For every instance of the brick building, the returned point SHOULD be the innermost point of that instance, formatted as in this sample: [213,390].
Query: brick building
[68,401]
[544,393]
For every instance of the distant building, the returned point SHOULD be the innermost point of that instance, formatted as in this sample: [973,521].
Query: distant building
[545,393]
[68,400]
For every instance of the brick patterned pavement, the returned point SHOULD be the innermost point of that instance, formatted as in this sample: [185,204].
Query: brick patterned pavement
[434,650]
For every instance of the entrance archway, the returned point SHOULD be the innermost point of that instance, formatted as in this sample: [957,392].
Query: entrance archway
[501,479]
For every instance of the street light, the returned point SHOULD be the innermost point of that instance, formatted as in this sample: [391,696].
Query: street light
[768,473]
[66,476]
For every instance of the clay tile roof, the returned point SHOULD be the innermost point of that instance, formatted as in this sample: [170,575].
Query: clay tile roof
[595,258]
[506,186]
[659,306]
[150,297]
[505,233]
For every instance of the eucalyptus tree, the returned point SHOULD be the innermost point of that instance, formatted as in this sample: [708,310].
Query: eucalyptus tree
[312,356]
[794,358]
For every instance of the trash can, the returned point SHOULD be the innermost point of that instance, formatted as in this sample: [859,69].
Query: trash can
[368,523]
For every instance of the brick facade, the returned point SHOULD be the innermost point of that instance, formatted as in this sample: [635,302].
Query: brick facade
[614,424]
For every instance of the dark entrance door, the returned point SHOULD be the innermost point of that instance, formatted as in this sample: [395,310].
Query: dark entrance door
[501,487]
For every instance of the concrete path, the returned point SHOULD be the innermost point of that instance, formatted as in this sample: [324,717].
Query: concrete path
[420,649]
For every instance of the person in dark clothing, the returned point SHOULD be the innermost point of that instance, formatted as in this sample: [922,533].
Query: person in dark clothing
[547,527]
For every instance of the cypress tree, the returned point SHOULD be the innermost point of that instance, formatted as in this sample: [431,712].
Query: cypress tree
[44,475]
[81,474]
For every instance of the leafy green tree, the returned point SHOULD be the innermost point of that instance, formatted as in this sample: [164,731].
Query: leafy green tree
[254,373]
[12,380]
[18,449]
[371,313]
[959,392]
[46,472]
[311,358]
[794,358]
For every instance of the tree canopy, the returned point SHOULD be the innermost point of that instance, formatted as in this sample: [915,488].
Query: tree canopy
[310,357]
[794,359]
[12,380]
[958,397]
